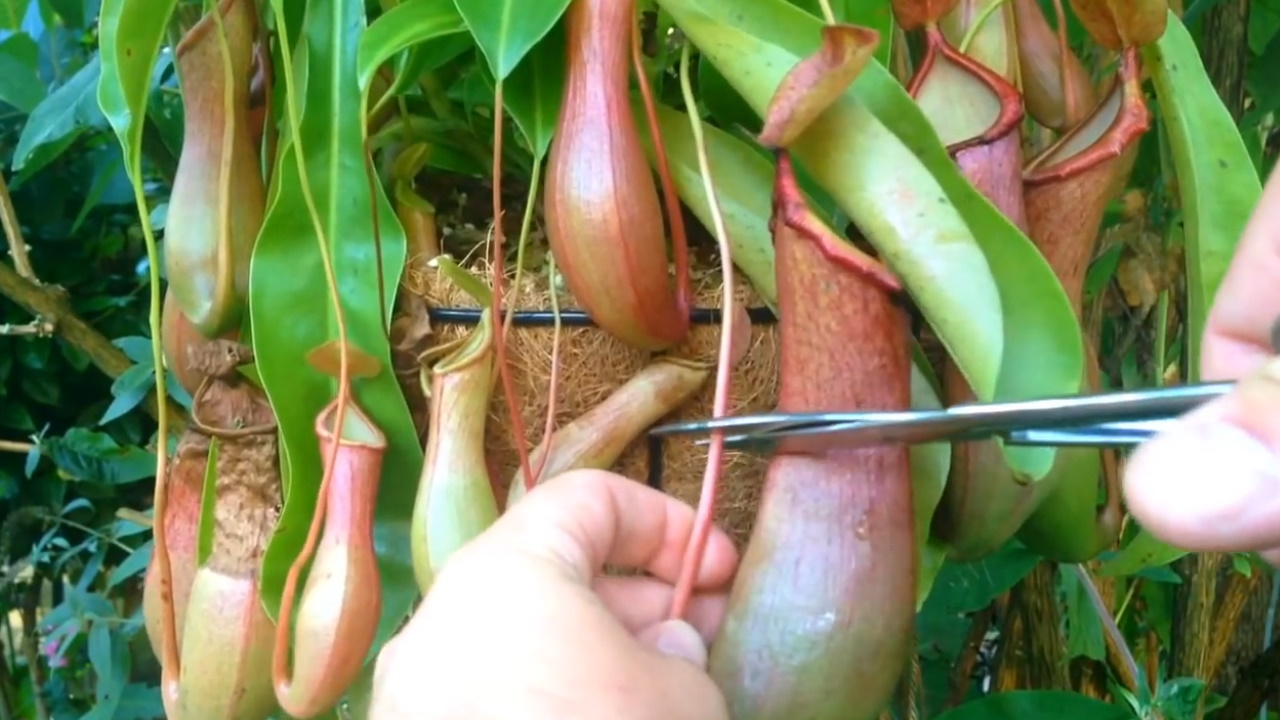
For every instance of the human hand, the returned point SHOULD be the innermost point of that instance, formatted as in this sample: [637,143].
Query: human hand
[520,624]
[1213,482]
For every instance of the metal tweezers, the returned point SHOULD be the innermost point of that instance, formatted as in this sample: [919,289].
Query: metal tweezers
[1110,419]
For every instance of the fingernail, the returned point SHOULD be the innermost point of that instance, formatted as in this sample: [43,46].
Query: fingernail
[677,638]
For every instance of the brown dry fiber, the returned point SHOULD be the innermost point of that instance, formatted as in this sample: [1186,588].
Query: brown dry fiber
[593,364]
[226,656]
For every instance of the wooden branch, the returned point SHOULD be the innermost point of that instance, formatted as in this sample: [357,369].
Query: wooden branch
[13,232]
[49,304]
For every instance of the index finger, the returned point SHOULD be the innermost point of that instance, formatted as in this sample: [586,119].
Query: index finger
[1238,332]
[583,519]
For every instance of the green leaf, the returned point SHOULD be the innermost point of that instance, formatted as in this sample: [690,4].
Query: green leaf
[130,34]
[20,85]
[504,33]
[11,12]
[1264,23]
[1037,705]
[292,311]
[61,117]
[984,287]
[1142,552]
[132,566]
[128,391]
[962,588]
[744,190]
[408,24]
[1084,628]
[1217,182]
[91,456]
[111,662]
[15,416]
[536,88]
[135,347]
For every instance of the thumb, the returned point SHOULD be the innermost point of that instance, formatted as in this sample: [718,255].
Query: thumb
[675,638]
[1212,483]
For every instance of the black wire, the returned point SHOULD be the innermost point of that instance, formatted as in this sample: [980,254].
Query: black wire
[578,318]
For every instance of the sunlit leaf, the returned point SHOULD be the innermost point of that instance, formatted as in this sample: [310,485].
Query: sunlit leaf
[1217,182]
[506,30]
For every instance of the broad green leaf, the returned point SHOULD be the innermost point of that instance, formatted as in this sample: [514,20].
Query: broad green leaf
[506,30]
[1217,182]
[536,88]
[109,656]
[423,58]
[1142,552]
[408,24]
[988,292]
[61,117]
[130,32]
[1037,705]
[292,311]
[94,457]
[20,85]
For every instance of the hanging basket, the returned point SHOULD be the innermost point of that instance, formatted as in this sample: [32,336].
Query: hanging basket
[593,364]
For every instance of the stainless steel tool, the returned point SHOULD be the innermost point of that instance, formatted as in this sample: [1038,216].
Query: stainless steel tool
[1108,419]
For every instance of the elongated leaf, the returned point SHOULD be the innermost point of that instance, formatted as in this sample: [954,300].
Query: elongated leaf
[408,24]
[537,86]
[980,282]
[1218,184]
[292,312]
[506,30]
[130,33]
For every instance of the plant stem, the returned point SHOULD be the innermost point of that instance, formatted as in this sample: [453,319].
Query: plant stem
[720,404]
[1130,668]
[13,233]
